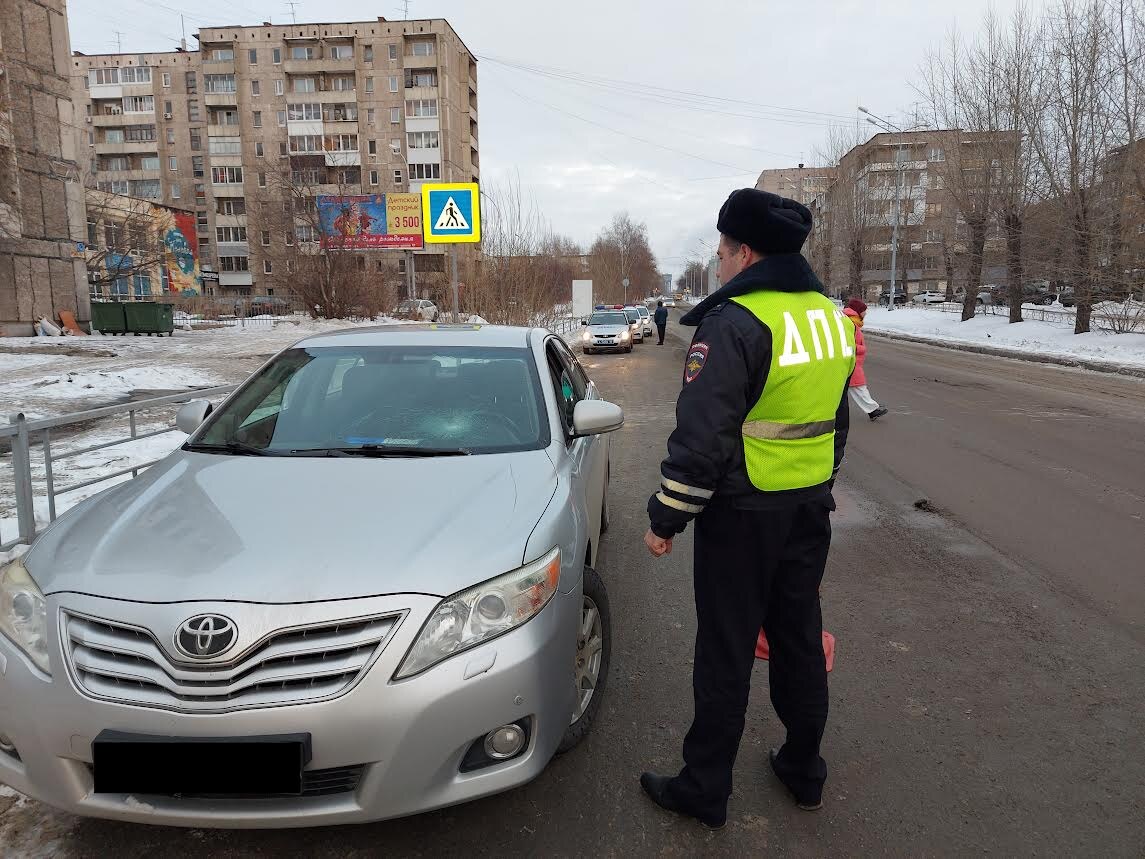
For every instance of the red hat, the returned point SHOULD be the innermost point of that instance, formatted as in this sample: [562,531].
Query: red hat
[857,305]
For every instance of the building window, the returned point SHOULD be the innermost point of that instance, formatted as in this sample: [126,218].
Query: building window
[369,84]
[100,77]
[223,55]
[281,117]
[225,145]
[230,234]
[289,239]
[172,163]
[170,136]
[370,115]
[395,115]
[176,192]
[342,143]
[933,209]
[141,133]
[395,146]
[279,86]
[283,151]
[304,111]
[149,162]
[265,238]
[341,52]
[113,135]
[234,264]
[303,85]
[393,52]
[424,171]
[262,180]
[421,78]
[166,80]
[255,88]
[219,84]
[192,82]
[343,84]
[139,104]
[112,163]
[372,147]
[230,207]
[252,56]
[423,140]
[196,140]
[193,110]
[258,149]
[398,178]
[935,153]
[276,56]
[421,107]
[393,83]
[305,143]
[200,192]
[934,235]
[304,52]
[267,268]
[135,75]
[148,189]
[423,48]
[256,119]
[368,53]
[227,175]
[373,177]
[930,263]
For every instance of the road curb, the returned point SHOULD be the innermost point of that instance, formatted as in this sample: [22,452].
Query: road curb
[1002,352]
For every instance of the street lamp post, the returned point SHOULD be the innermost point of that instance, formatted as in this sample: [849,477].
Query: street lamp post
[890,127]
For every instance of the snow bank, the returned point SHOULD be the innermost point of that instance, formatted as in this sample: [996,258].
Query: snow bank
[1035,339]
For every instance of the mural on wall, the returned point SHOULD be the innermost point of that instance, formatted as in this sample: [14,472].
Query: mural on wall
[177,233]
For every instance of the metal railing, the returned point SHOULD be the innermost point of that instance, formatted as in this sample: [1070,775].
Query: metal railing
[26,436]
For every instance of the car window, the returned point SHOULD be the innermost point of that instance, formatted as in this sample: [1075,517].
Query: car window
[579,376]
[479,399]
[613,318]
[565,386]
[631,315]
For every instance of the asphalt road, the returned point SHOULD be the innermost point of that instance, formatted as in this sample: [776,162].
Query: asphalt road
[988,693]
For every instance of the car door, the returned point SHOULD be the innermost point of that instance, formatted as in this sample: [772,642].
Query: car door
[588,455]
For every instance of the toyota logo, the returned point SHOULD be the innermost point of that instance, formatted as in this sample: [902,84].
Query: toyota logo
[206,635]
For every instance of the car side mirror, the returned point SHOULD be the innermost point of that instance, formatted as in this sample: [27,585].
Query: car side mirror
[592,417]
[191,416]
[584,322]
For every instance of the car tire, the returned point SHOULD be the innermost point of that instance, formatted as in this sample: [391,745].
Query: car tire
[435,316]
[595,597]
[629,349]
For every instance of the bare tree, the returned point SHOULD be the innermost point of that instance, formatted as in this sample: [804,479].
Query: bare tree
[620,251]
[849,214]
[125,241]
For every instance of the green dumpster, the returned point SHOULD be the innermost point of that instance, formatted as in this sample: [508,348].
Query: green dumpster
[149,317]
[107,317]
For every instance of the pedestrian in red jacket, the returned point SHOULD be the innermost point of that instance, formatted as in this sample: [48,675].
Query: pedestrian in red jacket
[856,310]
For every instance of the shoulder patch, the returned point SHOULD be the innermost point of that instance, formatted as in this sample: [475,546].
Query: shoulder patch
[697,357]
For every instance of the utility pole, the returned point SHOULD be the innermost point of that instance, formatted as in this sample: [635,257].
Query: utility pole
[453,283]
[292,4]
[118,42]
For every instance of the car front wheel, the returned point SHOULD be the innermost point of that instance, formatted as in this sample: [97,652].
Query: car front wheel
[593,653]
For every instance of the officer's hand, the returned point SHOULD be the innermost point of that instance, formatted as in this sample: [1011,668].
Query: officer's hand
[658,546]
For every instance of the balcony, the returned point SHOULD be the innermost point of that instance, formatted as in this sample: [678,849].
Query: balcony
[115,120]
[218,67]
[343,127]
[221,99]
[228,189]
[235,278]
[472,142]
[233,249]
[127,175]
[127,147]
[225,130]
[420,92]
[229,221]
[472,114]
[351,158]
[318,66]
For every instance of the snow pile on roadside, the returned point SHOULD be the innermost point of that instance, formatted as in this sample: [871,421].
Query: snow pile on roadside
[114,385]
[1042,339]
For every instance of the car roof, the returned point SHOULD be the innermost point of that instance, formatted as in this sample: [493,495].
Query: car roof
[424,334]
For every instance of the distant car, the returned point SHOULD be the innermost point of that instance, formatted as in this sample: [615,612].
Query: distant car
[900,297]
[418,308]
[607,330]
[645,317]
[669,302]
[929,298]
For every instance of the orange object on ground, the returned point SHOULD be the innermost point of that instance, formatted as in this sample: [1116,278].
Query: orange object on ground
[69,320]
[762,651]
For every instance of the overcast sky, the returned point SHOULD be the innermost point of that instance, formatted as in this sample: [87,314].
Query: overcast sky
[740,87]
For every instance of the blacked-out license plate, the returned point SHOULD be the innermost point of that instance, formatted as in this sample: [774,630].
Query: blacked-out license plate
[200,766]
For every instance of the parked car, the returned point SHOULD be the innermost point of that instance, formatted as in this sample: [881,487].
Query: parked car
[900,297]
[645,318]
[929,298]
[607,330]
[635,323]
[364,588]
[419,308]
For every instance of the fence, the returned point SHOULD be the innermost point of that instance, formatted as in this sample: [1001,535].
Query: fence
[27,436]
[1113,317]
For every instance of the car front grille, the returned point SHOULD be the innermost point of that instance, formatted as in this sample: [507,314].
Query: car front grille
[117,662]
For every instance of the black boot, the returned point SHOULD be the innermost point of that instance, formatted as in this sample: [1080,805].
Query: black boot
[657,787]
[877,413]
[804,801]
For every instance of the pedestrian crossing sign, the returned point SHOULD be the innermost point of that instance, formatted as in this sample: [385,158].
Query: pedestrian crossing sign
[451,212]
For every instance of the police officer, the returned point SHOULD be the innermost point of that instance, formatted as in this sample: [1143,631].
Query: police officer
[761,422]
[661,320]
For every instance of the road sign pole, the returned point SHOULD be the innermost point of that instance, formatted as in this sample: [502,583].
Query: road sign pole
[453,283]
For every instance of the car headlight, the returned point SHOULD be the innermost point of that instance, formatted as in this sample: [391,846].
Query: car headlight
[24,614]
[625,334]
[587,336]
[483,612]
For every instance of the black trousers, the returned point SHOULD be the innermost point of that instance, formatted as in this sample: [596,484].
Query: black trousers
[757,568]
[660,330]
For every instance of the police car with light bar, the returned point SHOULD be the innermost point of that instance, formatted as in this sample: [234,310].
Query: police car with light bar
[607,330]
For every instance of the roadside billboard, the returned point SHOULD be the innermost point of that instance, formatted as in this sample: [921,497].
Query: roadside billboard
[371,221]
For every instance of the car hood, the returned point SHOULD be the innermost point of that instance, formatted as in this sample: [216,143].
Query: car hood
[607,330]
[291,529]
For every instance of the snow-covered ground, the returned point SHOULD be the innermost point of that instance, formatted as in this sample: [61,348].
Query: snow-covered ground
[1050,340]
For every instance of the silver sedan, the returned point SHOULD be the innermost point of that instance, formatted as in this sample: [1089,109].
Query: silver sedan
[364,588]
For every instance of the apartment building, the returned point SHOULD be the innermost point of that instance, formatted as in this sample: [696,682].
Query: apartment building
[262,117]
[851,244]
[41,199]
[799,183]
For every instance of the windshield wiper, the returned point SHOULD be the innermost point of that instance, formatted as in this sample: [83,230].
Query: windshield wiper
[383,450]
[234,448]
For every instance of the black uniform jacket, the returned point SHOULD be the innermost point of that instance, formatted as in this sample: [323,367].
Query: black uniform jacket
[724,374]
